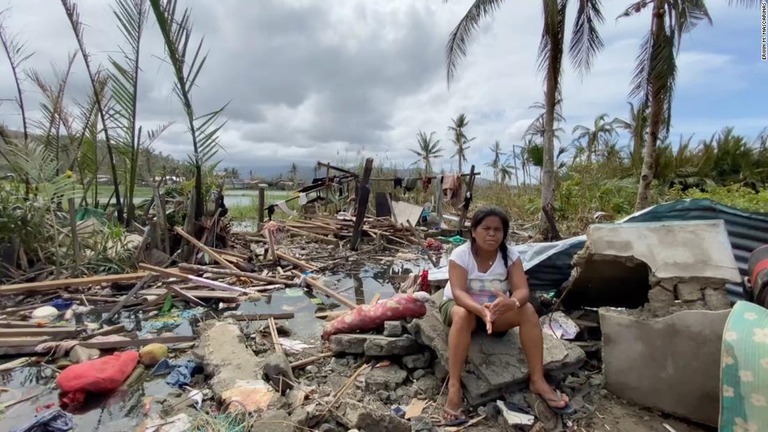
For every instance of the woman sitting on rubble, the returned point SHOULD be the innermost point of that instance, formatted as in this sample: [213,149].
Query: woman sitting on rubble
[488,291]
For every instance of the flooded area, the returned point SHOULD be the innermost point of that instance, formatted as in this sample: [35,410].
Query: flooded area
[34,390]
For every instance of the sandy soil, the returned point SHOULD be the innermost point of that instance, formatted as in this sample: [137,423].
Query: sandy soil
[614,414]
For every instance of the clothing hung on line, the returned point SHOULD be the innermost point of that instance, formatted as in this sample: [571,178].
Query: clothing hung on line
[452,189]
[410,184]
[398,183]
[426,182]
[284,207]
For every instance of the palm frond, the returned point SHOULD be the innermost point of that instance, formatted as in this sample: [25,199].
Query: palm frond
[73,15]
[586,41]
[745,3]
[458,41]
[17,54]
[176,29]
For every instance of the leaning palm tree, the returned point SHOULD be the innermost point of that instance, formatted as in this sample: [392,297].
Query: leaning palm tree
[459,138]
[600,133]
[636,124]
[653,81]
[585,43]
[428,149]
[495,163]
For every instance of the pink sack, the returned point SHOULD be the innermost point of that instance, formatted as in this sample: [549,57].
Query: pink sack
[101,375]
[364,317]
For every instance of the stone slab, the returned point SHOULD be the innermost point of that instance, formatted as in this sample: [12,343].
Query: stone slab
[496,364]
[374,345]
[680,250]
[225,356]
[671,364]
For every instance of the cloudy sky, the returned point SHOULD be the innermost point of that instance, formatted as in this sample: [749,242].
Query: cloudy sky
[337,80]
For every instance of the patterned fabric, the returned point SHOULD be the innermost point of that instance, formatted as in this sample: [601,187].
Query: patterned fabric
[744,374]
[363,318]
[481,290]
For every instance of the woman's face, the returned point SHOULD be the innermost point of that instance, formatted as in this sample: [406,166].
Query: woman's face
[489,234]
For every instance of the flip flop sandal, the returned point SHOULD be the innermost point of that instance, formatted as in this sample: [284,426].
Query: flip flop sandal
[566,410]
[458,417]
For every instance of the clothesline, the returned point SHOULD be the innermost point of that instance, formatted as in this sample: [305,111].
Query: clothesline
[421,177]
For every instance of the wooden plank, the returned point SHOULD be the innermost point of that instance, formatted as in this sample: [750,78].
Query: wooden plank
[50,285]
[57,332]
[191,268]
[327,291]
[292,260]
[205,249]
[106,331]
[406,212]
[197,294]
[261,317]
[166,340]
[9,342]
[363,194]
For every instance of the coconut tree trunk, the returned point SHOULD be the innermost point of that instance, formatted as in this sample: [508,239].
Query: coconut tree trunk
[658,89]
[548,166]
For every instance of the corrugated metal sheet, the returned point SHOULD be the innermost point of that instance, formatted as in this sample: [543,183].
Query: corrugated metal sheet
[746,232]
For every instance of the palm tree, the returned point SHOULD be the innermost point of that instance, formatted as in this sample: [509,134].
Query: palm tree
[459,138]
[600,133]
[653,81]
[495,164]
[585,43]
[636,125]
[428,149]
[294,172]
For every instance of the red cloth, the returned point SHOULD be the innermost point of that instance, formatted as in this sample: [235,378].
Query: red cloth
[365,317]
[101,375]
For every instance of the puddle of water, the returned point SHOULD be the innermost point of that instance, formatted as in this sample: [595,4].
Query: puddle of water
[124,410]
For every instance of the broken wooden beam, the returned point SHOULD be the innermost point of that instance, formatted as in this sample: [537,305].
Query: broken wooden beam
[191,268]
[295,261]
[50,285]
[216,257]
[261,317]
[327,291]
[134,343]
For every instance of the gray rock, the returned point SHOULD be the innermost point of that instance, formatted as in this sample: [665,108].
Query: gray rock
[373,345]
[422,424]
[429,386]
[372,418]
[300,417]
[79,354]
[384,346]
[278,371]
[688,291]
[383,395]
[419,374]
[717,299]
[387,378]
[661,298]
[393,328]
[421,360]
[279,421]
[496,364]
[327,427]
[312,369]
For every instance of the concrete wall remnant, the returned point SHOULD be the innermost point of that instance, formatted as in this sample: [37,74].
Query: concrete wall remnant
[671,364]
[666,266]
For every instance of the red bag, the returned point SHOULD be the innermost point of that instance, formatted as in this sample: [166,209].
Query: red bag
[362,318]
[101,375]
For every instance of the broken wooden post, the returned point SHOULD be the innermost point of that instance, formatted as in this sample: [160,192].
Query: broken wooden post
[73,226]
[470,186]
[363,192]
[262,203]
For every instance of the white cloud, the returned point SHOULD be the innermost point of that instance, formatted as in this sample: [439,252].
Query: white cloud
[312,80]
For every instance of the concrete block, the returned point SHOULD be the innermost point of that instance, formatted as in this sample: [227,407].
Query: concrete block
[670,364]
[688,291]
[393,328]
[374,345]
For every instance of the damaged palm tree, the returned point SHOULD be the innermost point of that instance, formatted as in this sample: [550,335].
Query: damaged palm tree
[94,75]
[176,28]
[653,82]
[586,42]
[124,88]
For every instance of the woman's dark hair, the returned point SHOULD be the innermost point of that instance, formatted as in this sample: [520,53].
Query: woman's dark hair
[481,215]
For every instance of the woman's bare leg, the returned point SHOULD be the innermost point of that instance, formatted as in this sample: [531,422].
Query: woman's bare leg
[532,342]
[459,338]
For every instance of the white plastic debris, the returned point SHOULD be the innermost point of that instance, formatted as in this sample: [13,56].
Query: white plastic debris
[559,325]
[515,418]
